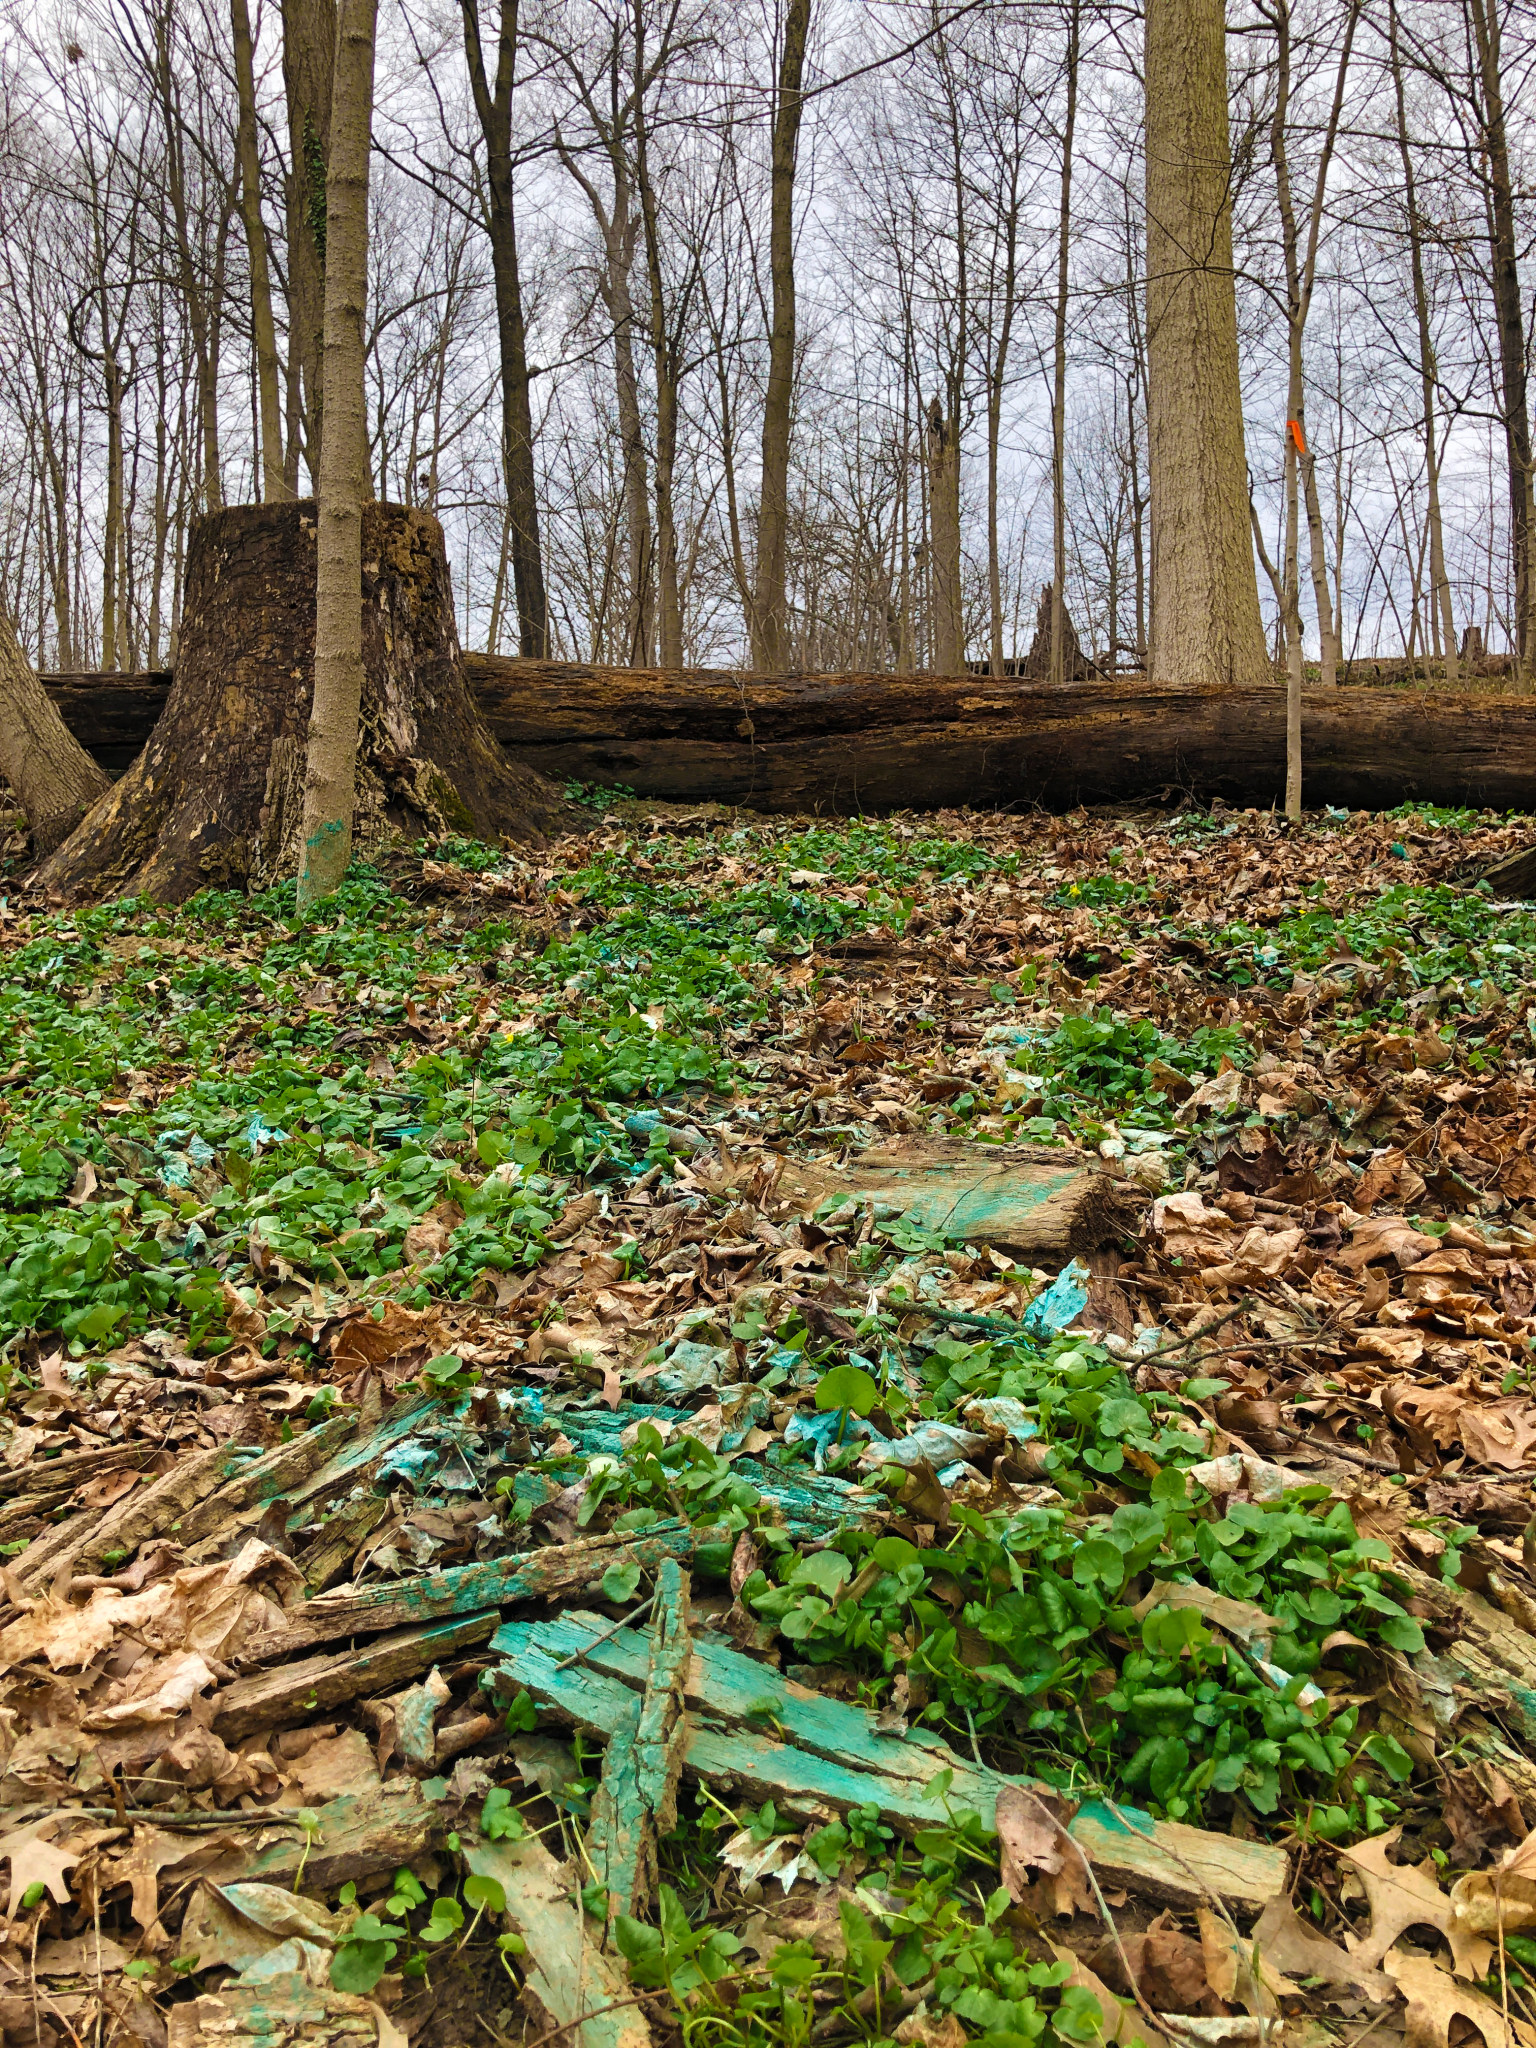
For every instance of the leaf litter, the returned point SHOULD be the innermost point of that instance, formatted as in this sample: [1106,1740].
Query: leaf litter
[771,1431]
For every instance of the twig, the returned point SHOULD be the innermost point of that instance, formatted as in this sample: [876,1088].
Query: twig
[1205,1330]
[995,1324]
[577,1656]
[1159,2021]
[1258,1344]
[639,1998]
[1347,1451]
[1174,1857]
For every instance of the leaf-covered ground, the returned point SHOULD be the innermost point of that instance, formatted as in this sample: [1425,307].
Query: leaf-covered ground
[509,1134]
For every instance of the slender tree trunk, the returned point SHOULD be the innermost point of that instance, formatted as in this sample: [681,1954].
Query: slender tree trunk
[309,59]
[1440,586]
[51,775]
[1206,626]
[112,523]
[330,778]
[619,300]
[768,622]
[273,482]
[1059,370]
[1510,316]
[493,107]
[948,653]
[665,366]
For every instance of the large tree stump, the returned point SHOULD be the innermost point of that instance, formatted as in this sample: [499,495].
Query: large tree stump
[215,799]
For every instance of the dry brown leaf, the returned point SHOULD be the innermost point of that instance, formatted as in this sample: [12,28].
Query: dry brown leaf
[1236,1967]
[35,1861]
[1400,1895]
[1385,1237]
[1435,1999]
[1501,1433]
[1286,1943]
[1030,1827]
[101,1492]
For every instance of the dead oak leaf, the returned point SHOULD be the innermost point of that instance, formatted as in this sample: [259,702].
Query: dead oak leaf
[34,1861]
[1435,1999]
[1400,1895]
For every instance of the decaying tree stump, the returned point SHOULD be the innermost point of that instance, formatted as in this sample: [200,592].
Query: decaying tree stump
[216,797]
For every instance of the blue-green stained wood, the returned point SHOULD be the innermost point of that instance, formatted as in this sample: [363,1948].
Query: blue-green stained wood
[561,1571]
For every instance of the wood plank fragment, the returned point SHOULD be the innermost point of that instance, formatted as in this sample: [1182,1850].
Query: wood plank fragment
[1181,1866]
[291,1692]
[153,1510]
[1033,1198]
[830,1754]
[580,1989]
[636,1802]
[48,1475]
[359,1834]
[559,1572]
[267,1478]
[333,1550]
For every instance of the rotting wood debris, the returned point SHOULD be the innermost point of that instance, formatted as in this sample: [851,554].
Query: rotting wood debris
[993,1524]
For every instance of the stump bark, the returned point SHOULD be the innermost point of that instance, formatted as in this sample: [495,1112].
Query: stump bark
[215,799]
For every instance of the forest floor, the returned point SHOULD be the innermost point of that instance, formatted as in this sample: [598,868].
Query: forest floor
[439,1347]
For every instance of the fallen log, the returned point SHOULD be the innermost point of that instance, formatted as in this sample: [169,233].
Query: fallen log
[850,743]
[873,743]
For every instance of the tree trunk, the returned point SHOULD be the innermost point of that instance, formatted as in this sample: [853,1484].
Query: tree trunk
[309,61]
[667,372]
[331,754]
[769,621]
[1510,315]
[1059,367]
[1206,627]
[1440,593]
[943,437]
[845,743]
[51,775]
[273,483]
[214,800]
[493,108]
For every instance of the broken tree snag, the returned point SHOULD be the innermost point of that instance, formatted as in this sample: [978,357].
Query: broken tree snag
[1031,1198]
[636,1801]
[110,715]
[215,799]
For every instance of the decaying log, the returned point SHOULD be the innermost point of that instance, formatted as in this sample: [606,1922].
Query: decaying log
[880,742]
[1035,1199]
[873,743]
